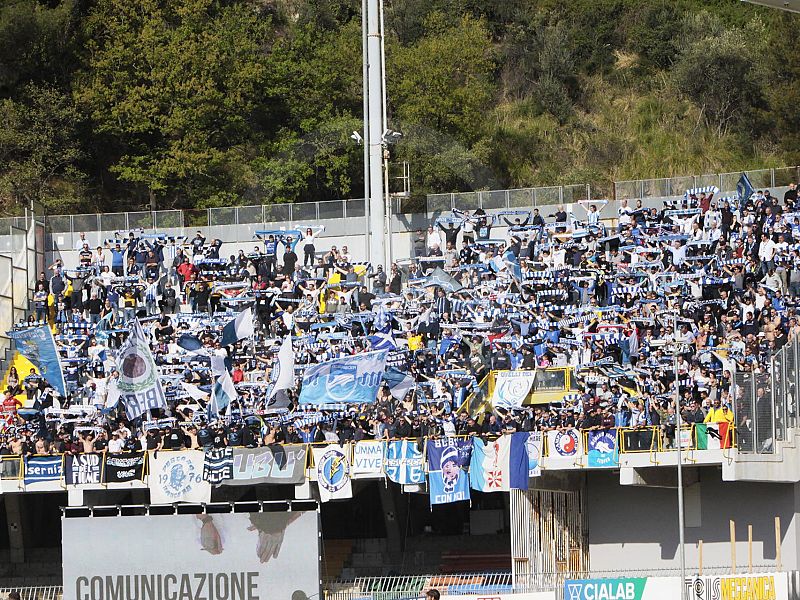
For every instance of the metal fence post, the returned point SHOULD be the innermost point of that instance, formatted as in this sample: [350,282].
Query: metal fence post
[772,178]
[589,191]
[508,199]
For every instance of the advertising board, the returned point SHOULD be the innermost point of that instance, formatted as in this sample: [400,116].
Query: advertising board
[232,556]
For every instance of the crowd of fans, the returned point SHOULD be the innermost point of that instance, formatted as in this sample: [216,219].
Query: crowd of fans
[611,296]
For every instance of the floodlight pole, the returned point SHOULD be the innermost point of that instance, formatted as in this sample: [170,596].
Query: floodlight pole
[365,137]
[374,138]
[678,423]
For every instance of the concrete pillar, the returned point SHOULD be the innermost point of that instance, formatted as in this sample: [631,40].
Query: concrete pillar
[392,519]
[15,519]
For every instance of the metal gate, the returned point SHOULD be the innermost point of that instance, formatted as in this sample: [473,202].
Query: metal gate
[548,535]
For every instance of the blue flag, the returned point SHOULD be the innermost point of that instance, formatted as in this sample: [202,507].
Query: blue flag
[349,380]
[603,451]
[189,342]
[38,346]
[744,189]
[448,459]
[403,462]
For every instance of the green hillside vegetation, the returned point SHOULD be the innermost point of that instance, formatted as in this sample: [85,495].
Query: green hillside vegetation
[113,105]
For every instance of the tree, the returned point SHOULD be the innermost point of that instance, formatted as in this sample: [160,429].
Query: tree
[176,87]
[40,150]
[445,80]
[723,74]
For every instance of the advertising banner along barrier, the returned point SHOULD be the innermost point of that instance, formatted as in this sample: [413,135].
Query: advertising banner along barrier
[232,556]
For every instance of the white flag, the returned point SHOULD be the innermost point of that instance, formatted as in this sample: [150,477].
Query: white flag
[139,386]
[333,473]
[284,375]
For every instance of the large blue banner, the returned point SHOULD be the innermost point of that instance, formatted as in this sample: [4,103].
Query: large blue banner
[350,380]
[448,460]
[603,451]
[38,346]
[39,469]
[403,462]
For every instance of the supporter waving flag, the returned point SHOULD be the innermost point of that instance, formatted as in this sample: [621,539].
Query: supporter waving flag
[139,384]
[239,328]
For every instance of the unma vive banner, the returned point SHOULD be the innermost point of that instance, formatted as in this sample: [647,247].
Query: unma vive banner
[83,469]
[177,477]
[333,473]
[499,465]
[448,459]
[139,386]
[273,464]
[511,388]
[367,459]
[351,380]
[603,450]
[403,463]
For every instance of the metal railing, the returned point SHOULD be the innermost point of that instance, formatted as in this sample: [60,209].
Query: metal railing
[726,182]
[509,199]
[47,592]
[399,587]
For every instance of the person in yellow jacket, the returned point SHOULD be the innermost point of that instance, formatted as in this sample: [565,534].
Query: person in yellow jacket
[718,413]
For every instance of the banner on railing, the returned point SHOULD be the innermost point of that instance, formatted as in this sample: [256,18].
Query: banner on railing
[42,470]
[534,446]
[403,462]
[333,473]
[177,477]
[603,451]
[511,388]
[499,465]
[367,459]
[122,468]
[275,464]
[448,459]
[83,469]
[565,443]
